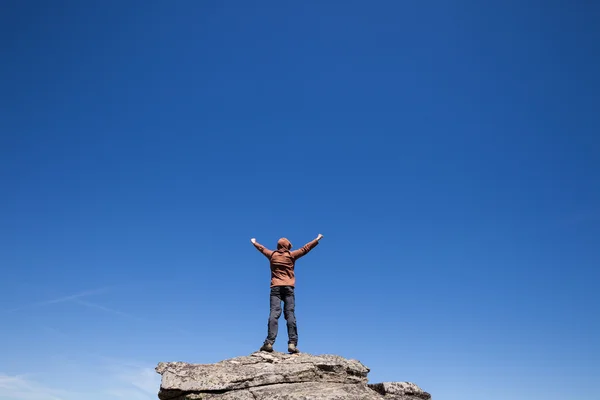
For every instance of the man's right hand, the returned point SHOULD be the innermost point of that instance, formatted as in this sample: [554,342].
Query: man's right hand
[319,237]
[253,240]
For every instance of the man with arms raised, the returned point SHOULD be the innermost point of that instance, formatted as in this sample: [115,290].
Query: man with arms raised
[283,281]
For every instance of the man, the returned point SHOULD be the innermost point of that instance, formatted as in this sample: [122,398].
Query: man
[283,282]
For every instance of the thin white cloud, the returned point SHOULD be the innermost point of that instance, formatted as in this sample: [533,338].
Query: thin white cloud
[130,381]
[139,381]
[102,308]
[143,378]
[18,387]
[62,299]
[123,314]
[130,394]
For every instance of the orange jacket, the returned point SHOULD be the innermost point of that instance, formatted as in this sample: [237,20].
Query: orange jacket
[283,260]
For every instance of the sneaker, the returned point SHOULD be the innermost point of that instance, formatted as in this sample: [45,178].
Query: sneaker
[267,347]
[292,349]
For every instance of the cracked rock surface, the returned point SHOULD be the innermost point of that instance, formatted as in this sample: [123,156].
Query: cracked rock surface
[279,376]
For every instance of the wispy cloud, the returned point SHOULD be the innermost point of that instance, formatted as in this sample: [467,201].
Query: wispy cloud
[124,314]
[137,381]
[20,388]
[125,381]
[103,308]
[130,394]
[62,299]
[143,378]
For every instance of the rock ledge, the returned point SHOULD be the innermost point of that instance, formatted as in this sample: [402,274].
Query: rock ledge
[279,376]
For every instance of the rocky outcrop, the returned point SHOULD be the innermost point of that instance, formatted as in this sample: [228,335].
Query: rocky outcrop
[400,391]
[279,376]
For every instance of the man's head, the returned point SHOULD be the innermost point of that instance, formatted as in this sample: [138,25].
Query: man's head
[283,243]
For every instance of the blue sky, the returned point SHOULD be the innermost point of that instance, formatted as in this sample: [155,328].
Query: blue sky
[448,151]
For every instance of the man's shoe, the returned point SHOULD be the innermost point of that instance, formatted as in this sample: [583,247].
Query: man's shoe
[292,349]
[267,347]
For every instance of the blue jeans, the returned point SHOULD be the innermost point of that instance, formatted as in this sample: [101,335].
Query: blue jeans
[285,294]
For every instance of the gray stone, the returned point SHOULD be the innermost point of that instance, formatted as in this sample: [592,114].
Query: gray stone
[400,391]
[278,376]
[315,391]
[233,395]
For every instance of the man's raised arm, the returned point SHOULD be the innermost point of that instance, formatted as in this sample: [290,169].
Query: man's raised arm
[268,253]
[296,254]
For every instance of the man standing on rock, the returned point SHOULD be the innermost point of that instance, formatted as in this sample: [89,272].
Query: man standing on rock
[283,281]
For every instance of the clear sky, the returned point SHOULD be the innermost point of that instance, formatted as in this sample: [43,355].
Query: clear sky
[449,151]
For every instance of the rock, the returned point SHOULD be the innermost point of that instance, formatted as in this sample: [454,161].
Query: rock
[315,390]
[278,376]
[400,391]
